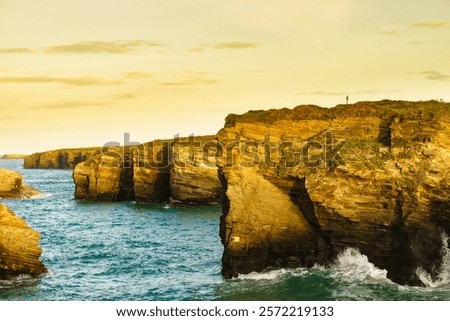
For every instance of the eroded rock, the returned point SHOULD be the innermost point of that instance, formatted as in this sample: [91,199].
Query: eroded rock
[12,186]
[372,176]
[19,246]
[59,159]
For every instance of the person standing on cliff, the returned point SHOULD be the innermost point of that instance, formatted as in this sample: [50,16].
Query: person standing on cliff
[347,99]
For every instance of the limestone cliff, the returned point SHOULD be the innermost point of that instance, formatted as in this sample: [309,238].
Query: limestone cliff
[103,177]
[19,246]
[59,159]
[193,171]
[13,156]
[302,185]
[12,186]
[155,172]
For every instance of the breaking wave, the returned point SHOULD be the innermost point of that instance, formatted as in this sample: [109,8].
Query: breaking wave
[354,265]
[442,277]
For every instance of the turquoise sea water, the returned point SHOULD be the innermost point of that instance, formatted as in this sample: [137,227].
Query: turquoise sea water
[128,251]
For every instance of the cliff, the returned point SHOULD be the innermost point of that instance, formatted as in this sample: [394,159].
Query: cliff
[13,156]
[19,246]
[12,186]
[104,177]
[302,185]
[59,159]
[155,172]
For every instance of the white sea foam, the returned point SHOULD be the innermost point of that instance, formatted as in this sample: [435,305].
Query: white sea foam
[354,265]
[272,275]
[41,195]
[443,275]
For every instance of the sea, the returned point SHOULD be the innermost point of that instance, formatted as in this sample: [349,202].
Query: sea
[135,252]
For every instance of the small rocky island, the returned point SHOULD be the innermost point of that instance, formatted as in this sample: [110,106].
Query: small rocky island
[19,246]
[12,186]
[299,186]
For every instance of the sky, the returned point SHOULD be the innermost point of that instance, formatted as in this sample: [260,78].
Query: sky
[82,73]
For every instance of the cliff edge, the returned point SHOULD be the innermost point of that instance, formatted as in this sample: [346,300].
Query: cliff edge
[59,159]
[301,185]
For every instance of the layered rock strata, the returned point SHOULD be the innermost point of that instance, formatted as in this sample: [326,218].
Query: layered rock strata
[156,172]
[12,156]
[302,185]
[59,159]
[19,246]
[12,186]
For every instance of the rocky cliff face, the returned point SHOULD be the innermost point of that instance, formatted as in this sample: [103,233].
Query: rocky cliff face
[103,177]
[155,172]
[13,156]
[59,159]
[193,171]
[302,185]
[19,246]
[12,186]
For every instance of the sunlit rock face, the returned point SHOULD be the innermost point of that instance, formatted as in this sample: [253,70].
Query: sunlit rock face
[302,185]
[12,186]
[19,246]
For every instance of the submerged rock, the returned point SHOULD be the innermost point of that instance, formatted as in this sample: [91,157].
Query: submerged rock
[372,176]
[19,246]
[12,186]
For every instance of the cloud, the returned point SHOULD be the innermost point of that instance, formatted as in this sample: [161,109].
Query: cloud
[100,47]
[236,45]
[77,81]
[322,93]
[190,82]
[431,24]
[71,105]
[124,96]
[15,50]
[139,75]
[435,75]
[114,100]
[390,32]
[199,48]
[225,45]
[415,42]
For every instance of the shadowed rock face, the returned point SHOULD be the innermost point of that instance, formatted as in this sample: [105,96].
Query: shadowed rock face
[19,246]
[12,186]
[59,159]
[372,176]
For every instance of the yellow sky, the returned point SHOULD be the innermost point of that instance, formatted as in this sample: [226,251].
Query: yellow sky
[82,73]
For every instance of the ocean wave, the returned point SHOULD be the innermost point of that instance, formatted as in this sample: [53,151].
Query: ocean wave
[18,281]
[351,264]
[273,274]
[443,274]
[41,196]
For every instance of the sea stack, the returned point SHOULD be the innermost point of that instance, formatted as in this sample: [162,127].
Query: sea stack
[12,186]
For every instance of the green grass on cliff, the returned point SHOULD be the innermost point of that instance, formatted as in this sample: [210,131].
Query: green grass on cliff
[385,109]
